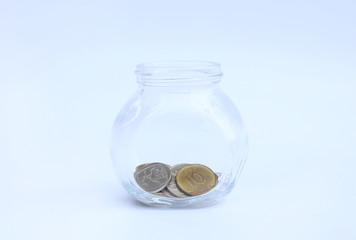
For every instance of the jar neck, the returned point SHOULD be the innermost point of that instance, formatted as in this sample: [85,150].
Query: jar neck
[174,89]
[193,74]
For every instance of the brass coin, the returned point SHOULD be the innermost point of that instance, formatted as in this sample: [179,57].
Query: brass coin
[141,166]
[195,179]
[216,179]
[217,176]
[159,193]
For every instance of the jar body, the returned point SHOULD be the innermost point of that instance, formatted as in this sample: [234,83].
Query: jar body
[175,125]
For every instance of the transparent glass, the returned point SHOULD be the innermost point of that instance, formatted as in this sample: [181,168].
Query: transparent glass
[179,115]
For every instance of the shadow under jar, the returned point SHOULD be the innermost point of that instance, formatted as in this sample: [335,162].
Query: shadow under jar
[179,141]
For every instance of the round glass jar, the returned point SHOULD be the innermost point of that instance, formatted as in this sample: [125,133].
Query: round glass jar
[179,115]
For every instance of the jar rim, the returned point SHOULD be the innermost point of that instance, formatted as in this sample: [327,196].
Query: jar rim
[178,72]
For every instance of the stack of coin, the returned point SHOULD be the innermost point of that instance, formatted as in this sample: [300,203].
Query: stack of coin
[181,180]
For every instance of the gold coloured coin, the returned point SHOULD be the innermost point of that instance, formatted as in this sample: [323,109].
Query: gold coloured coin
[216,179]
[159,193]
[195,179]
[141,166]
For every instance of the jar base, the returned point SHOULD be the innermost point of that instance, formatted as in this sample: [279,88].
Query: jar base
[204,200]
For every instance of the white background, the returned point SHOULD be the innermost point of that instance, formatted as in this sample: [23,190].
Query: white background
[66,68]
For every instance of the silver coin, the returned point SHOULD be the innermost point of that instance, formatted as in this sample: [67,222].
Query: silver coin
[173,188]
[172,185]
[154,177]
[139,167]
[167,193]
[175,169]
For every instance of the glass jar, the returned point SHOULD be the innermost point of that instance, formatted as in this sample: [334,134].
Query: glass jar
[179,115]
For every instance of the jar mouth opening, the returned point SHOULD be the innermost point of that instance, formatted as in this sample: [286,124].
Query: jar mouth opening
[178,73]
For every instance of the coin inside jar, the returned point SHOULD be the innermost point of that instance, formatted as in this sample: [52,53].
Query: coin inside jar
[167,193]
[172,185]
[154,177]
[139,167]
[159,193]
[195,179]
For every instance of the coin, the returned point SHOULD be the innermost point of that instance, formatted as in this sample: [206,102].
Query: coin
[159,193]
[141,166]
[154,177]
[175,169]
[173,188]
[167,193]
[216,179]
[195,179]
[172,185]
